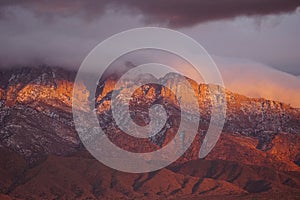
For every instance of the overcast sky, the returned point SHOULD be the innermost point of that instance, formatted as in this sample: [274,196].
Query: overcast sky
[252,35]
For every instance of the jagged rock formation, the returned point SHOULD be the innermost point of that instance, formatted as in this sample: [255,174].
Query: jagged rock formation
[252,117]
[42,98]
[37,132]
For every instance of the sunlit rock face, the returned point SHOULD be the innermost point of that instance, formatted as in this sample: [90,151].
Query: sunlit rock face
[248,116]
[1,94]
[252,124]
[36,114]
[40,147]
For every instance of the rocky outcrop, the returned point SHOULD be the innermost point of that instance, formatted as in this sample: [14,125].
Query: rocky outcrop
[251,117]
[36,116]
[41,156]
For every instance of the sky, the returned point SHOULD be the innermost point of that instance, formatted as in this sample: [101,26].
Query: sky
[255,43]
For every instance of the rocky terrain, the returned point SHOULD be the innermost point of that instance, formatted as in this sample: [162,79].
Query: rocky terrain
[41,156]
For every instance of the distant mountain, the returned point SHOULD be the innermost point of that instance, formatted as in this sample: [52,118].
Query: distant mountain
[258,154]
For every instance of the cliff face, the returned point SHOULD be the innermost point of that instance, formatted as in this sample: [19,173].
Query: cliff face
[36,126]
[248,116]
[35,113]
[36,104]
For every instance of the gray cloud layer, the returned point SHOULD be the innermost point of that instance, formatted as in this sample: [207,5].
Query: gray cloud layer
[174,13]
[178,13]
[63,32]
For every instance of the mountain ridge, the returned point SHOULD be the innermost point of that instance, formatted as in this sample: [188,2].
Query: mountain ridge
[37,133]
[42,90]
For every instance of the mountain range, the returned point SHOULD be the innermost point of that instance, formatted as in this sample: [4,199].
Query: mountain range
[42,157]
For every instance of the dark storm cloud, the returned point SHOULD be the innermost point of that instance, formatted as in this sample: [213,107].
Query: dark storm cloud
[174,13]
[49,9]
[179,13]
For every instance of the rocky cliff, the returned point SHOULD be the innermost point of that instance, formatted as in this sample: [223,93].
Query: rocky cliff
[37,132]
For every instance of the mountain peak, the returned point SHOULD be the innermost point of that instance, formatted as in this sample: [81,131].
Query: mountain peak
[49,92]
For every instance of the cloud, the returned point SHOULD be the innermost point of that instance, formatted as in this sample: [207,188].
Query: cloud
[241,76]
[174,13]
[63,32]
[54,8]
[64,41]
[178,13]
[254,79]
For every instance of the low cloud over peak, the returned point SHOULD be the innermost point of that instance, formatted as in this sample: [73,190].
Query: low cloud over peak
[62,33]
